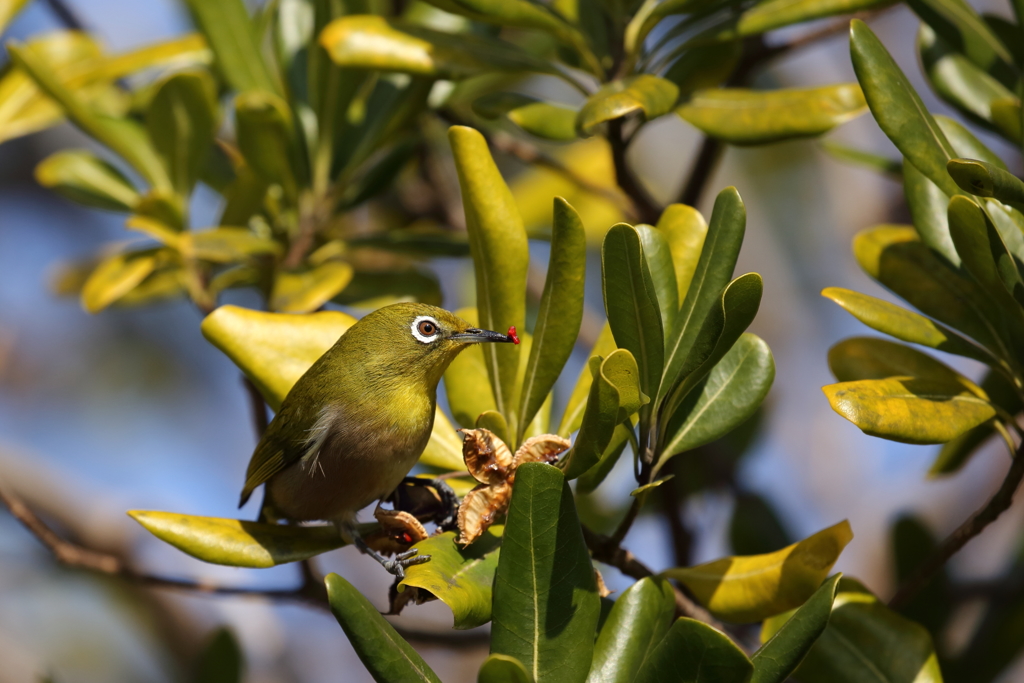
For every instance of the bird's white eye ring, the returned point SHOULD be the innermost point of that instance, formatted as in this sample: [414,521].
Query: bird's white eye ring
[425,329]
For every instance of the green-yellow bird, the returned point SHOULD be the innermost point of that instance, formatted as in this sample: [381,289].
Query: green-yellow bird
[354,425]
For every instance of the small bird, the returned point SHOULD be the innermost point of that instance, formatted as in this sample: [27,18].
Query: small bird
[357,421]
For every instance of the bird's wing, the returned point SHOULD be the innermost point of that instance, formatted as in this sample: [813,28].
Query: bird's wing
[284,442]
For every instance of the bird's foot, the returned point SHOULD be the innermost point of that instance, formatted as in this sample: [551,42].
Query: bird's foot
[409,558]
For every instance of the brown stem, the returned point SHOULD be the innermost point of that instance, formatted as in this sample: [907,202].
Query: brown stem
[968,530]
[700,173]
[627,522]
[672,505]
[606,550]
[647,210]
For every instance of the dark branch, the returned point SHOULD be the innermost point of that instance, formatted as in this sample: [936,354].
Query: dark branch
[700,172]
[647,211]
[996,506]
[65,15]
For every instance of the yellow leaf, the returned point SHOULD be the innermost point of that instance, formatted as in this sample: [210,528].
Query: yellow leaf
[751,588]
[116,276]
[307,291]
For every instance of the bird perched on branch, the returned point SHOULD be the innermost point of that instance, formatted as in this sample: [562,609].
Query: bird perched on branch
[353,426]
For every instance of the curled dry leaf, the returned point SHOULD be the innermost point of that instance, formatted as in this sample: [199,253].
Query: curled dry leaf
[491,463]
[398,531]
[602,589]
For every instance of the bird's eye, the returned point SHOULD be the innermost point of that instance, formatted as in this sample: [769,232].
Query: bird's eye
[425,329]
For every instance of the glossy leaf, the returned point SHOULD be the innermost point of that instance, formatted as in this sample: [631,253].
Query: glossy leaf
[893,255]
[957,22]
[303,292]
[859,157]
[786,647]
[1006,117]
[903,324]
[751,588]
[615,394]
[957,79]
[592,478]
[543,119]
[123,136]
[714,270]
[545,599]
[82,177]
[732,392]
[908,409]
[384,653]
[773,14]
[232,36]
[226,245]
[115,276]
[927,205]
[860,358]
[631,302]
[685,229]
[467,385]
[503,669]
[266,138]
[497,242]
[965,143]
[955,454]
[750,117]
[647,95]
[182,122]
[866,641]
[693,652]
[634,628]
[898,109]
[658,255]
[560,312]
[235,542]
[460,577]
[986,180]
[574,409]
[372,42]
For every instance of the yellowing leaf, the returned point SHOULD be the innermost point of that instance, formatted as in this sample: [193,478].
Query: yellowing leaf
[116,276]
[645,94]
[235,542]
[751,588]
[302,292]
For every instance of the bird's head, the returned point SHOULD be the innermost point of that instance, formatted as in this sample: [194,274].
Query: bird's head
[415,339]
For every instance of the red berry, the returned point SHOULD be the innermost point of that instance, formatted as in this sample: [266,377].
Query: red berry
[512,333]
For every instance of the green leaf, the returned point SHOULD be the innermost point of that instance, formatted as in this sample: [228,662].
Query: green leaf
[182,122]
[266,138]
[987,180]
[898,109]
[957,79]
[123,136]
[560,312]
[965,143]
[908,326]
[860,358]
[543,119]
[912,544]
[460,577]
[746,589]
[750,117]
[494,422]
[859,157]
[647,95]
[117,275]
[632,631]
[226,245]
[82,177]
[714,270]
[958,23]
[574,409]
[731,394]
[773,14]
[592,478]
[545,598]
[658,256]
[235,542]
[704,66]
[304,292]
[786,648]
[497,241]
[908,409]
[631,303]
[384,653]
[232,36]
[866,641]
[693,652]
[893,255]
[955,454]
[614,395]
[466,382]
[685,229]
[421,241]
[1006,117]
[503,669]
[221,659]
[372,42]
[373,289]
[986,258]
[928,211]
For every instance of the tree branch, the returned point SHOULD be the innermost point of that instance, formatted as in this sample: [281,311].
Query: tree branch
[647,211]
[996,506]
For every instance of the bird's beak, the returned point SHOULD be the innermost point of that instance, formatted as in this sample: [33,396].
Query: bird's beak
[474,335]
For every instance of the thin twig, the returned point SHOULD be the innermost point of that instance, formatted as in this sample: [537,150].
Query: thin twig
[647,210]
[700,173]
[258,406]
[996,506]
[604,549]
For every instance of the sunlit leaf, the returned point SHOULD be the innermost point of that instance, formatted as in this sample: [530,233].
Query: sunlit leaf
[232,36]
[751,117]
[693,652]
[82,177]
[115,276]
[751,588]
[544,119]
[460,577]
[986,180]
[503,669]
[306,291]
[647,95]
[227,245]
[685,229]
[637,623]
[238,543]
[956,453]
[384,653]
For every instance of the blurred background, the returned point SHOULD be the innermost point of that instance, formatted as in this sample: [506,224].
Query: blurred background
[134,409]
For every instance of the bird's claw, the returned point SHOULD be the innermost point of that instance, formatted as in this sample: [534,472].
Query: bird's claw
[402,560]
